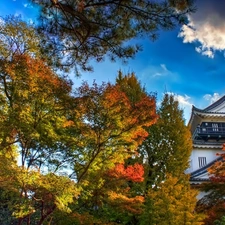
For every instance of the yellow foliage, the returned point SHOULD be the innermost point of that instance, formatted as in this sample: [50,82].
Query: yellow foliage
[174,203]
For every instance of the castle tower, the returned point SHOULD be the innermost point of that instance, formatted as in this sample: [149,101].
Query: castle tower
[208,134]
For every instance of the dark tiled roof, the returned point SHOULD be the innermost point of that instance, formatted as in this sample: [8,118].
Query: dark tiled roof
[215,104]
[210,107]
[194,175]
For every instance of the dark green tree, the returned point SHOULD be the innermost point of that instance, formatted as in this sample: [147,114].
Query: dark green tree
[130,85]
[168,146]
[167,150]
[77,31]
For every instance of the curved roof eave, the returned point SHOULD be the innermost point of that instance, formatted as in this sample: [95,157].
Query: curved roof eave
[207,146]
[210,107]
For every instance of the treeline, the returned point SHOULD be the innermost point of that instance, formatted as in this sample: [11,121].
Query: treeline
[96,154]
[99,154]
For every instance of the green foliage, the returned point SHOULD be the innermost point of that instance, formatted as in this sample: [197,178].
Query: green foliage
[131,86]
[220,222]
[166,151]
[168,146]
[75,154]
[76,31]
[173,202]
[17,37]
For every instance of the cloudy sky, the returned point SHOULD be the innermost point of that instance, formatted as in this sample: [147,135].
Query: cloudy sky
[188,61]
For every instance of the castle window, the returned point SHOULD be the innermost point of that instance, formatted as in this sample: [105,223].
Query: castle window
[215,126]
[201,161]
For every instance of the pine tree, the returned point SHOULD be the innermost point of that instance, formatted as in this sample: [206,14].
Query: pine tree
[77,31]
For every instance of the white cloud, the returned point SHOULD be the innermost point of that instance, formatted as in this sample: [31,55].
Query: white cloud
[27,5]
[206,28]
[184,100]
[157,74]
[212,98]
[163,66]
[184,103]
[161,71]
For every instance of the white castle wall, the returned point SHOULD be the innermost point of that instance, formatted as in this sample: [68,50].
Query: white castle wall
[210,155]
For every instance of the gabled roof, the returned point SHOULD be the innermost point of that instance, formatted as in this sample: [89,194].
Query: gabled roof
[202,111]
[202,172]
[215,110]
[217,107]
[215,104]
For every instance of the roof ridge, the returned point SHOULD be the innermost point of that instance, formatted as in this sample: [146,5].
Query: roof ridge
[216,103]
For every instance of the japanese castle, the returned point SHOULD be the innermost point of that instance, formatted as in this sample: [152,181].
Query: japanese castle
[208,136]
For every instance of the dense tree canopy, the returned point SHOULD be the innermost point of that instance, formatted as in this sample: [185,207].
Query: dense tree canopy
[58,134]
[213,201]
[173,202]
[168,146]
[76,31]
[72,155]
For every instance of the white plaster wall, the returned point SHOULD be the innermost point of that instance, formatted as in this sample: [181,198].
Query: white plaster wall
[210,155]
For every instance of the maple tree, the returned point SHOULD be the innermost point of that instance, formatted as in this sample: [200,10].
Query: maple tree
[213,201]
[91,131]
[33,101]
[110,128]
[107,128]
[109,198]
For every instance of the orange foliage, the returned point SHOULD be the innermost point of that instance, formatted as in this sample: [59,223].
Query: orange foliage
[34,73]
[133,173]
[217,170]
[215,213]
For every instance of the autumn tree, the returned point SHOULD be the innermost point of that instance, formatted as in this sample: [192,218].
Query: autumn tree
[130,85]
[33,105]
[213,203]
[76,31]
[168,146]
[111,126]
[173,202]
[55,132]
[166,151]
[89,132]
[34,101]
[111,129]
[18,38]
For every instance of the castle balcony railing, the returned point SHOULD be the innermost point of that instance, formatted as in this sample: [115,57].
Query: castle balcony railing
[209,133]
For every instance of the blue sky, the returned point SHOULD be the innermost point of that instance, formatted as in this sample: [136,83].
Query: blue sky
[188,61]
